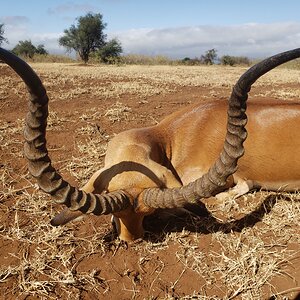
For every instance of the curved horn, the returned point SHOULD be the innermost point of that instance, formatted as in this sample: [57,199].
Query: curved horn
[36,151]
[214,180]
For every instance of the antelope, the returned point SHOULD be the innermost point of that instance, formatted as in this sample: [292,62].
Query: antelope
[191,154]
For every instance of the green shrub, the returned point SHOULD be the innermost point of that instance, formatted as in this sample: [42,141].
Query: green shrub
[229,60]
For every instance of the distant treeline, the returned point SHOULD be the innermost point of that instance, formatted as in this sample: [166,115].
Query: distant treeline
[138,59]
[226,60]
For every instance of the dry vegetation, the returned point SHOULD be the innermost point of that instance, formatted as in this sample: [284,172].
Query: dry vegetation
[246,248]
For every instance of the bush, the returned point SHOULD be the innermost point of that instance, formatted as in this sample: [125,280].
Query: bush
[192,61]
[228,60]
[28,50]
[40,49]
[110,52]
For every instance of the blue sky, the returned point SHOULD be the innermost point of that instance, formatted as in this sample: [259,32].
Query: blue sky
[173,28]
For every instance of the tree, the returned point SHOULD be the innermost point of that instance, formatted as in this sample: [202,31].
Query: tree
[40,49]
[110,52]
[86,37]
[25,48]
[209,57]
[2,38]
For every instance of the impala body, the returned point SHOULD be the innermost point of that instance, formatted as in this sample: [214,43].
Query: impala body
[197,152]
[185,144]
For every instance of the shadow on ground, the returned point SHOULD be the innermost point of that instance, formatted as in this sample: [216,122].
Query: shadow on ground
[205,223]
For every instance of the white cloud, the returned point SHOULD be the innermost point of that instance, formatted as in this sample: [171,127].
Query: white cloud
[16,28]
[50,41]
[253,40]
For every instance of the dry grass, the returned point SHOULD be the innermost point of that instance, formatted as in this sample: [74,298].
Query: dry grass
[243,250]
[118,112]
[46,258]
[91,151]
[179,75]
[283,93]
[10,136]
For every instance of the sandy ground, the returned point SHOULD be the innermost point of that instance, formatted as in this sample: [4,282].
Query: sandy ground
[247,248]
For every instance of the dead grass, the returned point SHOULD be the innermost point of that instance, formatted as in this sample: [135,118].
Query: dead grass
[243,250]
[46,258]
[118,112]
[91,146]
[10,136]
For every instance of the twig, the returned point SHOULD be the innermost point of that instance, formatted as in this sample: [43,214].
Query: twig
[291,290]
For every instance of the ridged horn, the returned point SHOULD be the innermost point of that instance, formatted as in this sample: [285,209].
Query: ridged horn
[214,180]
[37,154]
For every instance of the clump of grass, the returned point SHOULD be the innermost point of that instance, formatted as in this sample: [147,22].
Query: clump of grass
[91,145]
[10,137]
[55,121]
[118,112]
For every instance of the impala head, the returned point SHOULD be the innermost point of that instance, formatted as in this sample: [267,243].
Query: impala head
[121,201]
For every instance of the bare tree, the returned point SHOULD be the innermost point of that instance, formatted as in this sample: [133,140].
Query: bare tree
[209,57]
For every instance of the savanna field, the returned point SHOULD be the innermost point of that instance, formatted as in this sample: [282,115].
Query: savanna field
[245,248]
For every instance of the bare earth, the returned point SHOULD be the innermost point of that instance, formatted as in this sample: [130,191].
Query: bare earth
[246,248]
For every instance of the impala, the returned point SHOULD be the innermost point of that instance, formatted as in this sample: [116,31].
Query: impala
[191,154]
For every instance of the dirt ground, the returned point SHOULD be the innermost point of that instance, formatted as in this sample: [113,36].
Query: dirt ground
[247,248]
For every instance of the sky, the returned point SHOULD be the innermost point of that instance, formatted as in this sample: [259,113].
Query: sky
[177,29]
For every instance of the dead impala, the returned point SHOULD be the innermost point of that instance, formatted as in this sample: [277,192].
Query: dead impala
[188,156]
